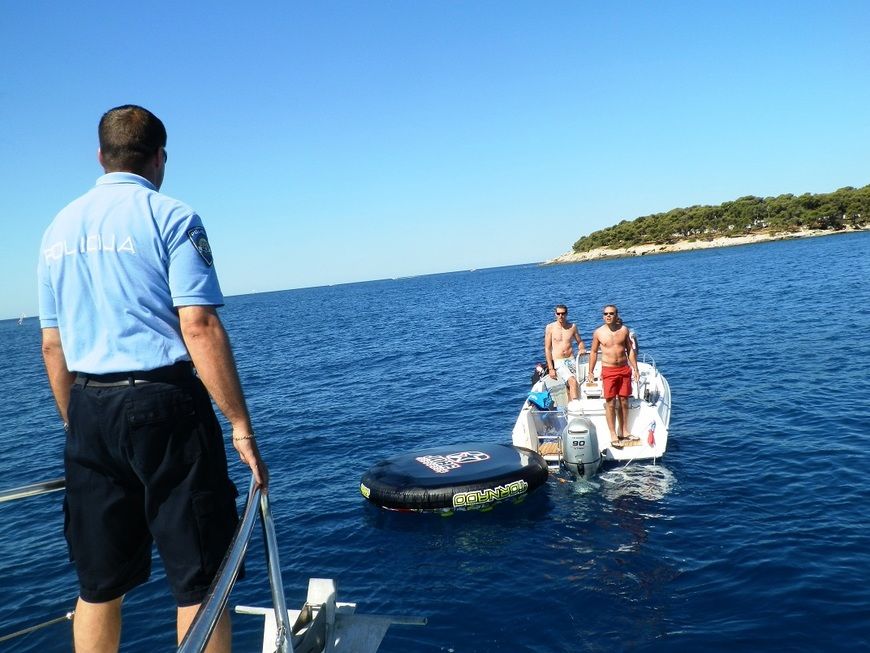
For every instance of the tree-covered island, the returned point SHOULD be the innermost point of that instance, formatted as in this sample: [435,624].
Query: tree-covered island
[703,226]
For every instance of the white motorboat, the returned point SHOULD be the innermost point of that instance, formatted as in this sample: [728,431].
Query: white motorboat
[575,434]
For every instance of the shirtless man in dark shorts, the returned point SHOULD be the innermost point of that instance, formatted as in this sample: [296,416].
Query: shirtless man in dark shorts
[618,368]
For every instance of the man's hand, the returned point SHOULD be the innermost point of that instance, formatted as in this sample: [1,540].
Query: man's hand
[249,453]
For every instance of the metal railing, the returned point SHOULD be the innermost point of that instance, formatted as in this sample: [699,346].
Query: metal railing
[34,490]
[215,603]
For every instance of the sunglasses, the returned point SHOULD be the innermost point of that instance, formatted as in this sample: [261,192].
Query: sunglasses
[561,313]
[610,314]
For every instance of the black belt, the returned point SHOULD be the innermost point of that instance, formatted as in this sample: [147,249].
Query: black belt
[170,374]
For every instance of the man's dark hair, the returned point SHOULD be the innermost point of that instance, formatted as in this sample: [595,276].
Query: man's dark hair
[129,136]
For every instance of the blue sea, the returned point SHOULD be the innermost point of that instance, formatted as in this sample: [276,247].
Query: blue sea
[752,533]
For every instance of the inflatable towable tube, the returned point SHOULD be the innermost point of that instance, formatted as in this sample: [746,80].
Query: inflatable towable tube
[457,477]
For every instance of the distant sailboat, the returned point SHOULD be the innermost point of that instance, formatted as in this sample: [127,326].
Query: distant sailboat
[21,319]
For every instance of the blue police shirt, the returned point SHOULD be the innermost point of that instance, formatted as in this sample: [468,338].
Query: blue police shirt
[113,266]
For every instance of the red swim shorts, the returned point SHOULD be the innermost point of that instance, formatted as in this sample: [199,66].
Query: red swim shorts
[616,381]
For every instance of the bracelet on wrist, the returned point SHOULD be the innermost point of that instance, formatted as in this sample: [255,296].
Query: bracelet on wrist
[250,436]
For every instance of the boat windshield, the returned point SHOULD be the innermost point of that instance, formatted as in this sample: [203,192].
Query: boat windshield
[549,423]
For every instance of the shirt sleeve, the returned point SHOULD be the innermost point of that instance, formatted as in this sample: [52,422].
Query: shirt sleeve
[193,279]
[47,303]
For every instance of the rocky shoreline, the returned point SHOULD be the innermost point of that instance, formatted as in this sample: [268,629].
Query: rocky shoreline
[689,245]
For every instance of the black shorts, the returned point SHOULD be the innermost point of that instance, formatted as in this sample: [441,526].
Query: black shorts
[146,462]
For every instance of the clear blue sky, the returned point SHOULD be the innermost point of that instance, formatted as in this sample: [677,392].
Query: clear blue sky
[329,142]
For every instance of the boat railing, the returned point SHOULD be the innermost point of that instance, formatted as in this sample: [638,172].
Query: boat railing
[23,492]
[649,360]
[215,603]
[33,490]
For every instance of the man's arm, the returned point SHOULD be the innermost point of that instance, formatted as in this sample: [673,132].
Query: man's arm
[209,348]
[59,377]
[581,346]
[593,355]
[548,352]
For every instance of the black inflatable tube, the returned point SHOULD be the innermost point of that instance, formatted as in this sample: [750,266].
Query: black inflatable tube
[456,477]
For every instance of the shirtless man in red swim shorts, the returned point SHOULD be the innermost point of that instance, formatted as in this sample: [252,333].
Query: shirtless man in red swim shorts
[618,368]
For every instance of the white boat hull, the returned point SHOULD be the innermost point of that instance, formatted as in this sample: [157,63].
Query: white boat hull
[649,416]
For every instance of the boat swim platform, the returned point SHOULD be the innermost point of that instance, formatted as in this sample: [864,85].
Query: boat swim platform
[324,625]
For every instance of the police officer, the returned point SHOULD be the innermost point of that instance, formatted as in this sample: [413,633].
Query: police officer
[133,347]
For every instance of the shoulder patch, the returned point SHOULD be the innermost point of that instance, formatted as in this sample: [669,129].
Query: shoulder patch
[200,242]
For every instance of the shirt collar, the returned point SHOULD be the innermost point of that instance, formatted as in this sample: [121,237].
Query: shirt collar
[124,178]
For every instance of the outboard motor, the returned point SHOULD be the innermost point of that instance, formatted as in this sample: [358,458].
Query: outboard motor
[580,444]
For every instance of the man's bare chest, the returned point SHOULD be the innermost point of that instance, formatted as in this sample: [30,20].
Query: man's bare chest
[561,334]
[610,338]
